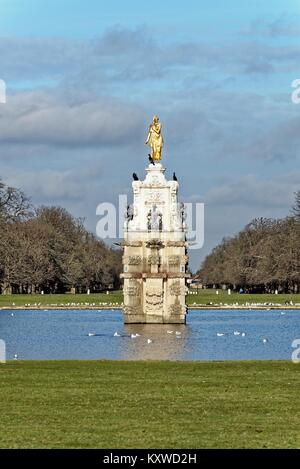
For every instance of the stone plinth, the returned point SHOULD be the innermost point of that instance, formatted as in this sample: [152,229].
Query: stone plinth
[155,252]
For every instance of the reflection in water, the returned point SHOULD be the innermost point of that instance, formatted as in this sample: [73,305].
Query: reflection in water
[165,345]
[209,335]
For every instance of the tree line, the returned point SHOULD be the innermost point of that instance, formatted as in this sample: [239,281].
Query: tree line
[46,249]
[263,257]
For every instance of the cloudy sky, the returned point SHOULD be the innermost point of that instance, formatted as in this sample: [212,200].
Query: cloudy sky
[84,79]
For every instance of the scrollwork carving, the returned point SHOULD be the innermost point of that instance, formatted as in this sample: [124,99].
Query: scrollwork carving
[134,260]
[153,259]
[174,260]
[132,310]
[175,308]
[133,289]
[154,299]
[176,289]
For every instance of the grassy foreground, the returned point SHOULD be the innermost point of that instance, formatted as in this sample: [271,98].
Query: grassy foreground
[149,405]
[115,298]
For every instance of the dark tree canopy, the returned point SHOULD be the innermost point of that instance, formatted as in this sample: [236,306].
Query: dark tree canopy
[49,250]
[264,256]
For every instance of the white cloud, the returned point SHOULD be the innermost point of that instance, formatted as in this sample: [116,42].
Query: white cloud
[41,117]
[258,193]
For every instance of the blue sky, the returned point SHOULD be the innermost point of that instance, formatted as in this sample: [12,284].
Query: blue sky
[85,78]
[78,19]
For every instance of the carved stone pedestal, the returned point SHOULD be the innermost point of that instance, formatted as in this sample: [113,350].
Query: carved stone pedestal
[155,252]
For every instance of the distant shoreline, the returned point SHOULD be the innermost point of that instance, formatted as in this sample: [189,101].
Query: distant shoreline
[190,307]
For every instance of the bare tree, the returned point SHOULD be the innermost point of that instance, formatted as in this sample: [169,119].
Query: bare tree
[14,204]
[49,249]
[296,207]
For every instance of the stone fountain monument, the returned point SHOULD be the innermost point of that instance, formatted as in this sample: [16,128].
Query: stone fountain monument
[155,248]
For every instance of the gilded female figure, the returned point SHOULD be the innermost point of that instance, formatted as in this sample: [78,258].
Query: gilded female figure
[155,139]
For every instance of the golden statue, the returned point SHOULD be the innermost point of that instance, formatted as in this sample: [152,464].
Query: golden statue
[155,139]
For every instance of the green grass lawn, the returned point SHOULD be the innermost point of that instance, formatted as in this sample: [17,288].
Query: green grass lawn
[208,296]
[203,297]
[109,404]
[98,299]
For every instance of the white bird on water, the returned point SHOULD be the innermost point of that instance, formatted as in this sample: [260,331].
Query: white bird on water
[12,314]
[149,341]
[178,333]
[91,334]
[169,332]
[236,333]
[220,334]
[133,336]
[116,334]
[243,334]
[265,341]
[16,356]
